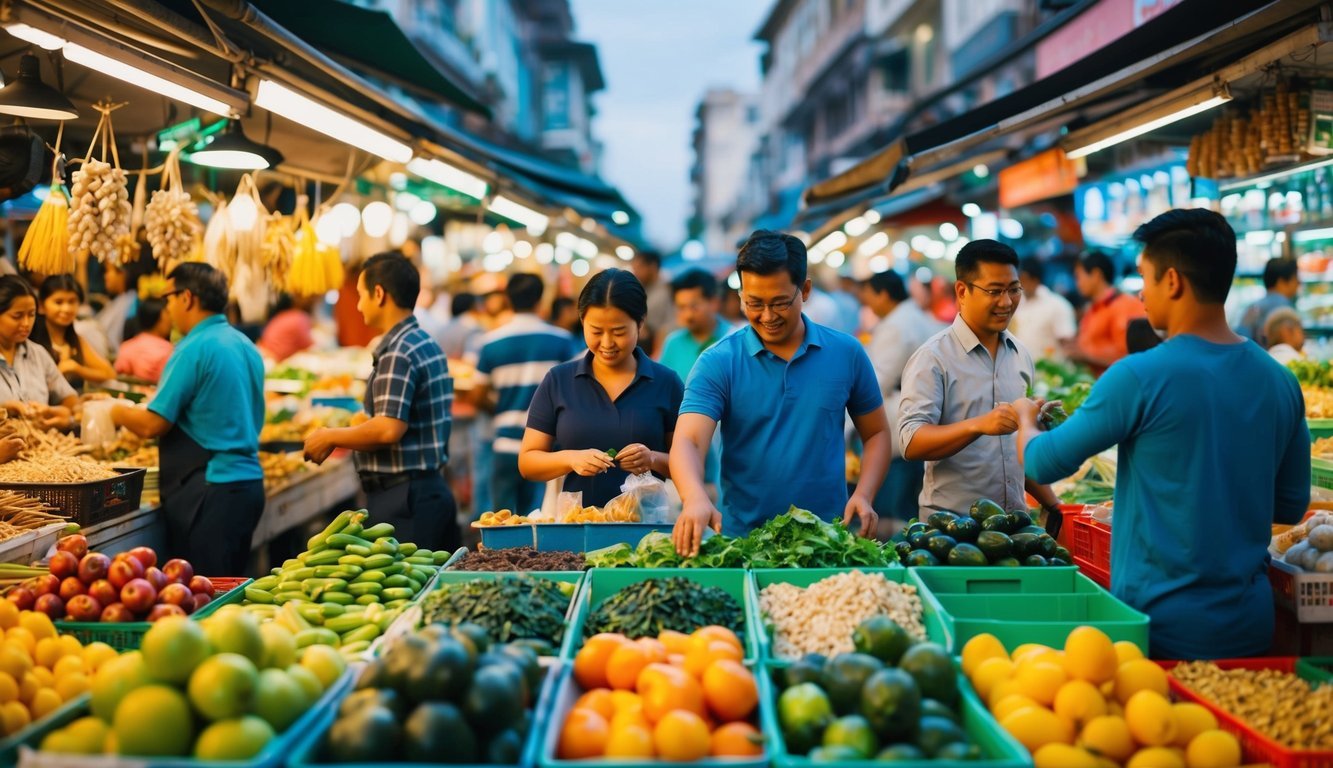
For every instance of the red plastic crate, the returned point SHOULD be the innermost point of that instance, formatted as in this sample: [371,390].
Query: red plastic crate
[1102,576]
[1092,542]
[224,584]
[1256,747]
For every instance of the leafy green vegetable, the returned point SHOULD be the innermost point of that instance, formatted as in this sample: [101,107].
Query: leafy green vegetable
[508,608]
[1312,373]
[651,606]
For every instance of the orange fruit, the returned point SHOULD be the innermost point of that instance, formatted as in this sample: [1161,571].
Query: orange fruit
[669,695]
[625,664]
[736,740]
[704,651]
[676,659]
[630,741]
[674,642]
[584,735]
[626,701]
[730,690]
[598,700]
[681,736]
[590,662]
[655,649]
[657,673]
[714,632]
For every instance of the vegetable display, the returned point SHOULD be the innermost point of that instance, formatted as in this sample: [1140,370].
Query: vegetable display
[1309,544]
[42,670]
[509,609]
[520,559]
[652,606]
[1281,705]
[987,535]
[822,618]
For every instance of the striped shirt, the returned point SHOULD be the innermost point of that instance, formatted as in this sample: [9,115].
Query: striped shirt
[513,361]
[410,382]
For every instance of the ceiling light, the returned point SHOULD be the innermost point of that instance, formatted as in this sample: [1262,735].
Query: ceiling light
[580,268]
[27,96]
[377,218]
[1097,138]
[971,210]
[534,221]
[620,217]
[448,176]
[232,149]
[302,110]
[148,81]
[348,217]
[36,36]
[625,252]
[856,227]
[834,240]
[422,213]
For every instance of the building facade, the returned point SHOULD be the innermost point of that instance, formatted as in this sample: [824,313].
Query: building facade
[724,132]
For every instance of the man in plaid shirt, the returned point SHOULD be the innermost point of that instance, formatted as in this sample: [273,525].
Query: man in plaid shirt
[402,447]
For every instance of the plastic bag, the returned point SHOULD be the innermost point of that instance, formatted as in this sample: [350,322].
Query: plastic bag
[566,503]
[1102,513]
[98,430]
[650,495]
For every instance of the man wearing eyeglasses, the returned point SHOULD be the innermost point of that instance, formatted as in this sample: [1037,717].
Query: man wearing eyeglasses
[780,391]
[956,412]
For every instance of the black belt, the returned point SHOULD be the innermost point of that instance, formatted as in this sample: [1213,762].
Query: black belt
[382,481]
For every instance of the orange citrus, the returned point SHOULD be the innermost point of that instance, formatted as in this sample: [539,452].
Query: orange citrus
[598,700]
[630,741]
[669,695]
[625,664]
[681,736]
[585,734]
[591,660]
[714,632]
[736,740]
[704,651]
[730,690]
[674,642]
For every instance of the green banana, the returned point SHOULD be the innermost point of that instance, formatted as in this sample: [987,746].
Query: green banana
[364,633]
[316,636]
[257,595]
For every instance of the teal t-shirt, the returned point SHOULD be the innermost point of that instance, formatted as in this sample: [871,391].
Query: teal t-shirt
[213,388]
[681,350]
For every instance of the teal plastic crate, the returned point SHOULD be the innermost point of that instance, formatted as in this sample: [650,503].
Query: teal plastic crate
[1316,669]
[502,536]
[1320,428]
[1016,619]
[1321,473]
[33,734]
[801,577]
[126,636]
[576,578]
[998,748]
[601,583]
[1003,581]
[556,537]
[599,535]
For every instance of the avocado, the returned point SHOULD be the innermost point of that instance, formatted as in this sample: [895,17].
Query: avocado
[918,540]
[536,645]
[443,675]
[374,675]
[834,755]
[915,527]
[883,638]
[1034,560]
[921,557]
[528,664]
[959,751]
[388,698]
[496,698]
[1025,544]
[934,733]
[808,669]
[404,655]
[967,555]
[436,729]
[370,734]
[997,522]
[481,639]
[940,520]
[933,708]
[1007,562]
[994,545]
[434,632]
[1048,545]
[902,549]
[940,546]
[1035,530]
[891,701]
[844,675]
[1022,517]
[900,753]
[854,733]
[505,749]
[804,712]
[932,668]
[984,508]
[964,529]
[1056,562]
[1063,554]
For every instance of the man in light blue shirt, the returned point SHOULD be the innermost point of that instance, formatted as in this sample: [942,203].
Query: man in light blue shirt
[1213,449]
[780,390]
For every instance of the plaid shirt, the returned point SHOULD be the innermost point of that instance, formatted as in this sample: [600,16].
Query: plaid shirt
[410,382]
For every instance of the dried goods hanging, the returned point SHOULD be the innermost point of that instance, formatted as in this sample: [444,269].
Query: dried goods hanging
[99,217]
[316,266]
[45,247]
[279,248]
[171,219]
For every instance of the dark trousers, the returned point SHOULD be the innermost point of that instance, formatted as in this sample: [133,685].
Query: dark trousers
[419,505]
[211,524]
[508,488]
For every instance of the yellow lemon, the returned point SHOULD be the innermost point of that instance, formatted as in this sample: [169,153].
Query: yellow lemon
[1003,690]
[9,615]
[1040,680]
[1011,704]
[1022,651]
[14,717]
[1108,736]
[1035,727]
[97,654]
[1139,675]
[1079,701]
[1191,720]
[45,677]
[1090,655]
[22,638]
[45,702]
[47,652]
[71,645]
[28,687]
[1127,651]
[1063,756]
[1213,749]
[1156,757]
[70,665]
[980,648]
[9,688]
[14,661]
[71,686]
[1151,719]
[989,673]
[39,624]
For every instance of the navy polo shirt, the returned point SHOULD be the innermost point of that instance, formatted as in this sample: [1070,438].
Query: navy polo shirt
[572,407]
[782,421]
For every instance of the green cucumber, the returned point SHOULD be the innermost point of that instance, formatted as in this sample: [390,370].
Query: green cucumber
[356,560]
[385,546]
[311,612]
[396,604]
[327,557]
[286,597]
[346,623]
[375,561]
[364,633]
[369,576]
[393,568]
[316,636]
[257,595]
[339,523]
[324,572]
[407,549]
[419,560]
[352,649]
[341,540]
[377,531]
[354,529]
[345,572]
[365,588]
[368,599]
[357,549]
[332,610]
[268,582]
[290,563]
[397,580]
[441,557]
[300,574]
[396,593]
[337,598]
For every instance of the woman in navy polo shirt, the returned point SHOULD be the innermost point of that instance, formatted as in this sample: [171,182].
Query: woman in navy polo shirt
[613,399]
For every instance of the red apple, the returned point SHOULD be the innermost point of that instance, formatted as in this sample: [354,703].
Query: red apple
[46,584]
[200,585]
[51,605]
[124,571]
[200,600]
[94,566]
[156,577]
[63,565]
[138,595]
[72,587]
[104,592]
[177,594]
[22,597]
[83,608]
[179,571]
[145,555]
[116,612]
[76,544]
[162,610]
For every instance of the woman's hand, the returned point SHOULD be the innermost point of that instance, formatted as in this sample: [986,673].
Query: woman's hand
[10,447]
[589,462]
[68,365]
[635,458]
[56,417]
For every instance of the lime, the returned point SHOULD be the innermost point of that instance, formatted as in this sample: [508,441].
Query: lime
[172,648]
[238,739]
[223,686]
[154,720]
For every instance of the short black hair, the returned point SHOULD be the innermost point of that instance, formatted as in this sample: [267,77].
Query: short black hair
[1096,261]
[1197,243]
[889,282]
[525,291]
[1034,267]
[461,304]
[558,305]
[207,284]
[971,256]
[11,288]
[650,256]
[616,288]
[1277,270]
[150,311]
[695,278]
[396,274]
[767,253]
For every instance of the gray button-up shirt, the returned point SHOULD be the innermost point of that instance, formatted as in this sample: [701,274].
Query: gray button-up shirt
[952,378]
[34,377]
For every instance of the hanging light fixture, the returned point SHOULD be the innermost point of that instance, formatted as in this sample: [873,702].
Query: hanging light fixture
[234,150]
[28,96]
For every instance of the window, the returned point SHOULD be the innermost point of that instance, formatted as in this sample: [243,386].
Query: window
[555,96]
[896,71]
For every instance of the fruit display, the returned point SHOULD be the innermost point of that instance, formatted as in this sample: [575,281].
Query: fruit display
[653,606]
[45,248]
[675,697]
[987,535]
[439,695]
[1275,130]
[220,689]
[1093,703]
[510,608]
[1309,544]
[89,586]
[502,517]
[280,468]
[889,701]
[40,669]
[1278,704]
[520,559]
[826,617]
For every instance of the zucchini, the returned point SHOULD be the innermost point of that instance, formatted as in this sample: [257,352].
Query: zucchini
[407,549]
[347,623]
[397,580]
[375,561]
[341,540]
[356,560]
[368,599]
[377,531]
[327,557]
[369,576]
[365,588]
[339,523]
[385,546]
[396,593]
[257,595]
[268,582]
[364,633]
[337,598]
[316,636]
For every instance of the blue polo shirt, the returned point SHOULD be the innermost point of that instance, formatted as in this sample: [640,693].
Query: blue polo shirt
[571,406]
[213,388]
[782,421]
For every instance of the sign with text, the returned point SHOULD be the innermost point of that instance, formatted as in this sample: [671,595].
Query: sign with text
[1049,174]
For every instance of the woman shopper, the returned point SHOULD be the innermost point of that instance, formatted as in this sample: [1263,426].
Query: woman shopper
[30,382]
[61,296]
[613,397]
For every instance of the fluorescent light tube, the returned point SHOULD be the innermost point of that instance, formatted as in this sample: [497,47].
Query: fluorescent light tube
[534,222]
[448,176]
[300,109]
[36,36]
[146,80]
[1201,101]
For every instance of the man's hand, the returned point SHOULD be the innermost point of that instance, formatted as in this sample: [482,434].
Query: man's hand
[55,417]
[318,445]
[590,462]
[689,530]
[859,507]
[10,448]
[1001,421]
[635,458]
[1027,410]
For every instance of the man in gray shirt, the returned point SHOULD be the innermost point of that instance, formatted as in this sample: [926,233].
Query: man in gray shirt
[955,412]
[1283,284]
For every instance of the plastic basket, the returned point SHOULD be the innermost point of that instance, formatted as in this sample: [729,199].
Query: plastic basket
[9,747]
[1256,747]
[1320,428]
[502,536]
[800,577]
[1308,595]
[91,502]
[576,578]
[125,636]
[1029,618]
[1003,581]
[30,546]
[550,537]
[1321,473]
[1316,669]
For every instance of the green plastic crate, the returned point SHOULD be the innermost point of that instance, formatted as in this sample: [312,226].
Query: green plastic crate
[998,748]
[1321,473]
[33,734]
[1320,428]
[1003,581]
[601,583]
[125,636]
[1316,669]
[576,578]
[1030,618]
[800,577]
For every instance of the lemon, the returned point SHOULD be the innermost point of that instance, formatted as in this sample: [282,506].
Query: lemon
[1079,701]
[1213,749]
[1022,651]
[47,653]
[39,624]
[990,672]
[1063,756]
[86,736]
[45,702]
[1090,655]
[1151,719]
[1035,727]
[71,686]
[1191,720]
[1156,757]
[1139,675]
[14,660]
[22,638]
[14,717]
[97,654]
[1108,736]
[69,665]
[1003,690]
[1010,704]
[1040,680]
[9,688]
[1127,651]
[9,615]
[980,648]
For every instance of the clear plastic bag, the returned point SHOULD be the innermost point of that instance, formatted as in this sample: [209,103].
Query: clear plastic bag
[98,430]
[650,495]
[565,503]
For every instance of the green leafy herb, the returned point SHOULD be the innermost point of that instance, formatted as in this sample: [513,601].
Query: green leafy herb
[508,608]
[651,606]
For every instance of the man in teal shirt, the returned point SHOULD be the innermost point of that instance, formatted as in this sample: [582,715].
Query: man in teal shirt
[1213,449]
[208,411]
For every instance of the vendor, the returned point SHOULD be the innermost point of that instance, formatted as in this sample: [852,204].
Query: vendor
[30,382]
[612,398]
[402,448]
[781,390]
[61,296]
[1213,449]
[956,412]
[207,411]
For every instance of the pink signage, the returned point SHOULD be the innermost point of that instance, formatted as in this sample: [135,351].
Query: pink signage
[1095,28]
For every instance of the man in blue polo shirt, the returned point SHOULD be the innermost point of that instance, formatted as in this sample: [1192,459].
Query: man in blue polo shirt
[781,390]
[208,410]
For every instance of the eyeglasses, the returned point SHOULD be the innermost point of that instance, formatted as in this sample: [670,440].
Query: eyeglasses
[169,294]
[1014,292]
[776,307]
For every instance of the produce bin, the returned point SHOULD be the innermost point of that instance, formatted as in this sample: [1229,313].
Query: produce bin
[602,583]
[568,691]
[1316,669]
[1091,548]
[444,578]
[125,636]
[1255,747]
[68,712]
[1321,473]
[30,546]
[599,535]
[1016,619]
[1320,428]
[91,502]
[502,536]
[567,537]
[801,577]
[1003,581]
[1308,595]
[998,748]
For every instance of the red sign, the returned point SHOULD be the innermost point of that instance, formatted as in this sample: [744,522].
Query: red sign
[1093,29]
[1049,174]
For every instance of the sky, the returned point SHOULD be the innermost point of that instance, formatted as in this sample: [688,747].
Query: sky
[658,58]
